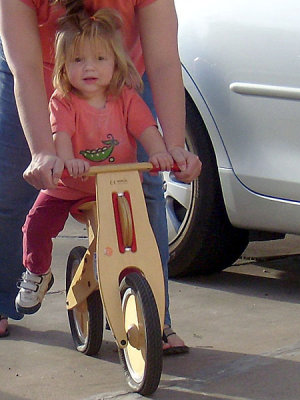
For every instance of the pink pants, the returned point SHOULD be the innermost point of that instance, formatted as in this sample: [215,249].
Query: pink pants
[43,223]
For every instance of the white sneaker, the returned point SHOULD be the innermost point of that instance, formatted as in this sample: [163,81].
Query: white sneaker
[32,291]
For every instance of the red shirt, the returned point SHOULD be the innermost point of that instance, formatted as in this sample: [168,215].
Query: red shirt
[100,136]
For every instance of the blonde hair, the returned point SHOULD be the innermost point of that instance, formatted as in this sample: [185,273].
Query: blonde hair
[72,6]
[104,28]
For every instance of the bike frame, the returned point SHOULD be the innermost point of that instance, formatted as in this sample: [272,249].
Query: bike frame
[121,241]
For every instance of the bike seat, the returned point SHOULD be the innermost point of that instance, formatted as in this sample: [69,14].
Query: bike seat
[77,209]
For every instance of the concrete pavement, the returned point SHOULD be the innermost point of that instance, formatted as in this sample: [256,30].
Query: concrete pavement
[242,326]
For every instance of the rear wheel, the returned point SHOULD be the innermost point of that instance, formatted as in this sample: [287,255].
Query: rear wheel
[142,358]
[86,320]
[201,238]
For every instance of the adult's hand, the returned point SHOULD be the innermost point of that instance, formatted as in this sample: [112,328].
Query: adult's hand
[189,164]
[44,171]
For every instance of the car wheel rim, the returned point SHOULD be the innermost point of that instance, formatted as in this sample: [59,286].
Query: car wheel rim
[178,197]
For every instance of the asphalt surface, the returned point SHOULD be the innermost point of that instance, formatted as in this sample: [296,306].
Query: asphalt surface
[242,326]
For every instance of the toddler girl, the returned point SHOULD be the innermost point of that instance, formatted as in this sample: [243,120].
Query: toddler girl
[96,117]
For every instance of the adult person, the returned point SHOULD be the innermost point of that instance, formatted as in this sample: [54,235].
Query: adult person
[27,31]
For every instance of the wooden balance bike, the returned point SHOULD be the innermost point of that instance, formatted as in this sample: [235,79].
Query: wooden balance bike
[119,277]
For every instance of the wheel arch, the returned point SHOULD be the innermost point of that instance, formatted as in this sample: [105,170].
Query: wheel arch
[205,113]
[206,241]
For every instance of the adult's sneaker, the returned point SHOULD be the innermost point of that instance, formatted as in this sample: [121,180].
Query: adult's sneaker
[33,288]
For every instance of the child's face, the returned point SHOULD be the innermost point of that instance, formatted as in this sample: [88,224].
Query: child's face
[90,70]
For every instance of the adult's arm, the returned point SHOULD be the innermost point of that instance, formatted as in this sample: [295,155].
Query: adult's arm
[22,48]
[158,29]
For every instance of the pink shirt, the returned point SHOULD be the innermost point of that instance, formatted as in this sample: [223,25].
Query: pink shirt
[100,136]
[47,16]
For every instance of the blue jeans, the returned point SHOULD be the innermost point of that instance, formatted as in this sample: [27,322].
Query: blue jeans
[17,197]
[154,196]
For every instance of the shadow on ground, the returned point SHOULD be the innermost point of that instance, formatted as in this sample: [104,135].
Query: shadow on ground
[278,279]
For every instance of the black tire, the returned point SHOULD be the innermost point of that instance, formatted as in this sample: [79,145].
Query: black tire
[142,365]
[203,240]
[86,320]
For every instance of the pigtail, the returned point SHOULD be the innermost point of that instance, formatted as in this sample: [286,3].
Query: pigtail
[72,6]
[75,11]
[110,20]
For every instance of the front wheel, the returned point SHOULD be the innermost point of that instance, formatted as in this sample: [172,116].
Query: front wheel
[142,358]
[86,320]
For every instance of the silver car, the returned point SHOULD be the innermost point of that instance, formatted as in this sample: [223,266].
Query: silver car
[241,70]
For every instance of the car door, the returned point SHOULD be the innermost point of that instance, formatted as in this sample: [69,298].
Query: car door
[244,58]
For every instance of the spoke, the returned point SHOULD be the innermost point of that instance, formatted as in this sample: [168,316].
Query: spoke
[178,195]
[181,192]
[172,222]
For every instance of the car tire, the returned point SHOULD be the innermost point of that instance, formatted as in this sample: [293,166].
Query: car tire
[201,238]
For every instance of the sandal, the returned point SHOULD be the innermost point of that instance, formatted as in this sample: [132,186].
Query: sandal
[6,332]
[167,332]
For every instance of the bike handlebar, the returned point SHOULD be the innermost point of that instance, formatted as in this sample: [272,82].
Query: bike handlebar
[142,166]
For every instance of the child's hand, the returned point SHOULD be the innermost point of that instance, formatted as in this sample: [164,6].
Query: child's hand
[162,160]
[77,167]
